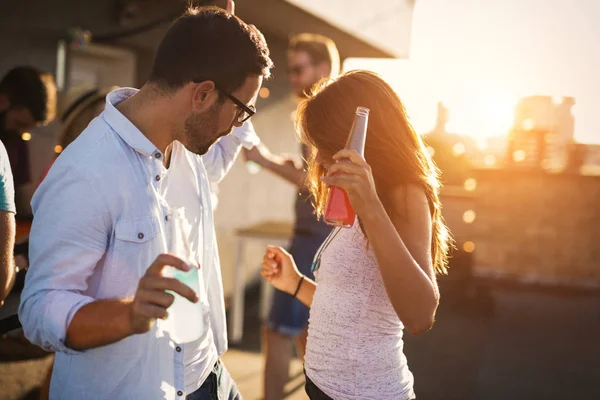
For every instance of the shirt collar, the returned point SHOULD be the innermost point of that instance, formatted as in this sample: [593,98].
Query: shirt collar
[123,127]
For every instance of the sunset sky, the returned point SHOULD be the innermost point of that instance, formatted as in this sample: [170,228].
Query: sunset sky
[480,56]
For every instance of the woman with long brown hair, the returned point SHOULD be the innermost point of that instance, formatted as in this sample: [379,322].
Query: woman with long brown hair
[378,277]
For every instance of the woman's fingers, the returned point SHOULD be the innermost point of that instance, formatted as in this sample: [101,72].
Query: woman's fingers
[344,181]
[269,268]
[352,155]
[346,168]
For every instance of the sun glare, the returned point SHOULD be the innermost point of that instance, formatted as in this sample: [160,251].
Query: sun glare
[498,115]
[481,117]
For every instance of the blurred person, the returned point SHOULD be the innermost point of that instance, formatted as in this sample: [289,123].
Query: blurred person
[7,226]
[311,57]
[378,277]
[27,99]
[95,289]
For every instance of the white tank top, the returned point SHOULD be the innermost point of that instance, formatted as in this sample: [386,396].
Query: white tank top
[355,347]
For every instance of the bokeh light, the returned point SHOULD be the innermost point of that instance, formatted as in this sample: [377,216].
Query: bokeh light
[469,216]
[519,155]
[264,93]
[469,246]
[470,184]
[458,149]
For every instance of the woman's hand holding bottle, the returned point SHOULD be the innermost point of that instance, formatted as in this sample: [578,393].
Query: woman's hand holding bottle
[355,177]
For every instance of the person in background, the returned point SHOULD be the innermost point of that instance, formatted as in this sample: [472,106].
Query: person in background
[7,226]
[378,277]
[27,99]
[95,289]
[311,57]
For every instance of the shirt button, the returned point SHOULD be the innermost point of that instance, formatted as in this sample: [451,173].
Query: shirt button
[140,235]
[157,177]
[178,349]
[166,217]
[157,155]
[179,393]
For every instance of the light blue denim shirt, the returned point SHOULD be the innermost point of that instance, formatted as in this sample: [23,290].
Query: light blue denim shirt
[98,222]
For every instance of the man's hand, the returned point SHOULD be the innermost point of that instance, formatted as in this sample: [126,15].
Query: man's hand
[107,321]
[290,161]
[230,7]
[285,167]
[151,301]
[258,154]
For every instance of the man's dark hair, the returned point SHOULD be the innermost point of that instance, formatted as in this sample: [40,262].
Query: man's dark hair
[210,44]
[32,89]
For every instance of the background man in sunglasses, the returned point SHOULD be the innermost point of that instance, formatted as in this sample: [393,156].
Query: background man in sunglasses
[95,288]
[311,57]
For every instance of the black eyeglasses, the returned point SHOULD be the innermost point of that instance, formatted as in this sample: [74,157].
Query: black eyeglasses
[245,112]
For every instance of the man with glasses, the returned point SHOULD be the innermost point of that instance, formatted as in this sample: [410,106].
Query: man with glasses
[98,245]
[224,152]
[311,57]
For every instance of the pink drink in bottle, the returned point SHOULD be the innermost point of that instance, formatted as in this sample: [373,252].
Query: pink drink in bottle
[338,211]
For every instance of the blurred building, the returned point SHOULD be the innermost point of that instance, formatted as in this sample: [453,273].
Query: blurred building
[543,133]
[452,152]
[111,42]
[592,154]
[591,159]
[442,119]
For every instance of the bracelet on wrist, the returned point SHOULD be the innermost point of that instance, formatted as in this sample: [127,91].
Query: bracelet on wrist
[299,285]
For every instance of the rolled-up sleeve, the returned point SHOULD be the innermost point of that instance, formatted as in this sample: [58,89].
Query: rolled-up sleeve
[220,158]
[68,237]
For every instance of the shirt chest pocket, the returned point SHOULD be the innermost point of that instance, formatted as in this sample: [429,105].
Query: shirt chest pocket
[135,248]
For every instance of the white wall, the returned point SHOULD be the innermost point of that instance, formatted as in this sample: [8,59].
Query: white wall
[246,199]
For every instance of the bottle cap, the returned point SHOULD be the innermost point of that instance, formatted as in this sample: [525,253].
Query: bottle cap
[362,111]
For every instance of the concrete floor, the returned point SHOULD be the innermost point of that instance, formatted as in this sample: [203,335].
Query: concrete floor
[516,343]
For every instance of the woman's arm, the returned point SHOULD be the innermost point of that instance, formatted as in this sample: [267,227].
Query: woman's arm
[402,246]
[279,269]
[307,290]
[401,243]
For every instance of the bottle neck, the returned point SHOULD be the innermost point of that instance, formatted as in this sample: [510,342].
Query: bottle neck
[358,134]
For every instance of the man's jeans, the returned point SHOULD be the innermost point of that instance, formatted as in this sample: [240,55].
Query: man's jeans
[218,386]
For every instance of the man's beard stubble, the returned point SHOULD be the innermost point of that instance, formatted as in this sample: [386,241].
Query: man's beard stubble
[201,130]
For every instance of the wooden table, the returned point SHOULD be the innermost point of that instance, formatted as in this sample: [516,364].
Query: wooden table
[272,232]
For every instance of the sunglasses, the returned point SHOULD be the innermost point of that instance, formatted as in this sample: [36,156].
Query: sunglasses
[245,112]
[297,69]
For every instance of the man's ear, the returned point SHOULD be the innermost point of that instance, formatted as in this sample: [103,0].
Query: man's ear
[204,95]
